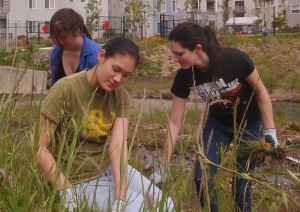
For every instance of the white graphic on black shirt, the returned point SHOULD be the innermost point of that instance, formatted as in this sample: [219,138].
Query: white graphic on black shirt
[219,92]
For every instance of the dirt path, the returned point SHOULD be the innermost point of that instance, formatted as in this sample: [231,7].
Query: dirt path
[151,104]
[27,81]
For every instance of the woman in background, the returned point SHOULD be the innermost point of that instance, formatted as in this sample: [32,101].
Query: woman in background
[74,50]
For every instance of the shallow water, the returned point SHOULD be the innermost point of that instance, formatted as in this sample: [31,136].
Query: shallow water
[290,109]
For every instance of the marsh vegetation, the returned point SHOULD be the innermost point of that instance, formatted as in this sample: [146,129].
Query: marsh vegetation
[276,184]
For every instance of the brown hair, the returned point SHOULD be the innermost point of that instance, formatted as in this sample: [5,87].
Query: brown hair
[123,46]
[189,34]
[67,20]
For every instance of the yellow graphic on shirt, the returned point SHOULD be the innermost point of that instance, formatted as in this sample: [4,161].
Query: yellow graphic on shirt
[96,125]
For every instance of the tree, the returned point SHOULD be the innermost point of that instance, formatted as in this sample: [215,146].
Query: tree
[225,14]
[136,13]
[280,20]
[191,5]
[93,14]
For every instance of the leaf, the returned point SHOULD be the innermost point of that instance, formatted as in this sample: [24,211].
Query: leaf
[285,200]
[294,177]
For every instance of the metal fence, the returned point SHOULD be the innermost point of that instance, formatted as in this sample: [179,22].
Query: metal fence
[10,35]
[8,38]
[108,26]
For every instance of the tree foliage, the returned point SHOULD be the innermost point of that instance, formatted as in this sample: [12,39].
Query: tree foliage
[280,20]
[225,14]
[93,14]
[136,13]
[191,5]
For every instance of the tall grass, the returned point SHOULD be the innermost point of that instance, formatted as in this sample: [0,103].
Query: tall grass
[29,191]
[22,188]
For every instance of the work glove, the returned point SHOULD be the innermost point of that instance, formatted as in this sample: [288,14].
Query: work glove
[69,198]
[119,206]
[159,175]
[271,138]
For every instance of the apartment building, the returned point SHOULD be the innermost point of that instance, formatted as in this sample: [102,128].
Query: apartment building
[166,14]
[31,15]
[293,13]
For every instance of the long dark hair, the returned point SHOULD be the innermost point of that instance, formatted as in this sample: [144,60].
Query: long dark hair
[123,46]
[67,20]
[189,35]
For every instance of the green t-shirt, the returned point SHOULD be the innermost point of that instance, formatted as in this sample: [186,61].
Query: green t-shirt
[84,120]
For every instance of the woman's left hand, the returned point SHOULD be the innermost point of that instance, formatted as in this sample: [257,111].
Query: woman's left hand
[271,138]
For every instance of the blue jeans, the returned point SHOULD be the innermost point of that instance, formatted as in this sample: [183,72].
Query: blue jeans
[216,135]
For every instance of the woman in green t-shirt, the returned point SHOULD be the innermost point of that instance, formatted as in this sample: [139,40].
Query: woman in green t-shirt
[82,147]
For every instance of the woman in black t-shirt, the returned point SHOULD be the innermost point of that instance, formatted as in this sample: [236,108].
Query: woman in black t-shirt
[226,78]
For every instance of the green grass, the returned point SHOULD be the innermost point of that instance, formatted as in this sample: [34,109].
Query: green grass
[278,65]
[30,192]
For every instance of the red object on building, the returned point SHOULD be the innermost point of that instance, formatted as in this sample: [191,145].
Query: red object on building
[106,24]
[45,28]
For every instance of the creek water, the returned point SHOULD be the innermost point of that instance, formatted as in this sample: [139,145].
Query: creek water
[291,110]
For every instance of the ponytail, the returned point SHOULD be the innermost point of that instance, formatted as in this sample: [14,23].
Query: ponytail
[213,47]
[85,31]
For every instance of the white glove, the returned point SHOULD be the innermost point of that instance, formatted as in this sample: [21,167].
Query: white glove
[270,137]
[69,198]
[158,175]
[119,206]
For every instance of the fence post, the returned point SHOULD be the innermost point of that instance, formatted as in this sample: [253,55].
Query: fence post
[98,29]
[7,32]
[16,36]
[39,32]
[27,33]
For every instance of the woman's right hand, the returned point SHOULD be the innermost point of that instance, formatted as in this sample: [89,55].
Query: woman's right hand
[159,175]
[119,205]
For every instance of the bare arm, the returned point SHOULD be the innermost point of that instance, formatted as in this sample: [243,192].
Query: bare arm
[44,158]
[173,130]
[263,99]
[118,151]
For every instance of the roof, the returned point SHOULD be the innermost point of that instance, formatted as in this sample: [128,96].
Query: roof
[242,21]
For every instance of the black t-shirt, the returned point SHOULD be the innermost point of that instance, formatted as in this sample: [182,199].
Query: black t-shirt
[223,86]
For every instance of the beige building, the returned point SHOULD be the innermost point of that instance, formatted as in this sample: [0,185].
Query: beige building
[243,12]
[293,13]
[31,15]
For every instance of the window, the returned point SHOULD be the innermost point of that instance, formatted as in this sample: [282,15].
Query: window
[32,26]
[175,6]
[210,6]
[49,4]
[239,6]
[82,0]
[158,28]
[32,4]
[71,0]
[161,6]
[260,4]
[1,3]
[295,9]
